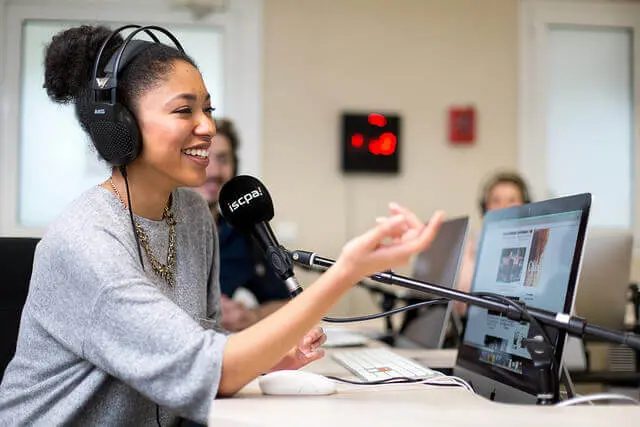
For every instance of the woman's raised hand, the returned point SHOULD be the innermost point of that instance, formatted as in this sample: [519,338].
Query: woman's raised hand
[389,244]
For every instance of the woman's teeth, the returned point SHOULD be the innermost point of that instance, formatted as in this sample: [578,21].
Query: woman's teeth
[197,153]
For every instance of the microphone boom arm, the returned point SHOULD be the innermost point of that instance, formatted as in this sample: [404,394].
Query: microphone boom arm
[573,325]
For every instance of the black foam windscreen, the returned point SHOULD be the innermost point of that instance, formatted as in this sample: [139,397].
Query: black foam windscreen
[245,201]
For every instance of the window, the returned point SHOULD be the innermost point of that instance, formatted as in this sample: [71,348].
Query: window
[590,142]
[57,161]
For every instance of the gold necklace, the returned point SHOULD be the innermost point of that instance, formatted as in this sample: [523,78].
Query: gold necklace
[166,271]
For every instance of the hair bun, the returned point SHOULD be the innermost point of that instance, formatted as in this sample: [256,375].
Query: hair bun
[69,60]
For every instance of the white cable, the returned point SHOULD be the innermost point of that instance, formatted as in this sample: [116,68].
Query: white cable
[598,396]
[445,382]
[575,395]
[449,379]
[457,380]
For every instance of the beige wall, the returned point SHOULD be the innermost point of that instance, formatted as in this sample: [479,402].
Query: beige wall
[417,57]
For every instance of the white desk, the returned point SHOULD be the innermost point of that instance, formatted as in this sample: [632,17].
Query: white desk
[402,406]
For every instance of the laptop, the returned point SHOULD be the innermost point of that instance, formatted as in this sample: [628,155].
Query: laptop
[530,253]
[425,327]
[439,265]
[602,288]
[604,277]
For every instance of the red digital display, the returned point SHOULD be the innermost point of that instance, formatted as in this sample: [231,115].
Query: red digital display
[376,119]
[357,140]
[383,146]
[370,142]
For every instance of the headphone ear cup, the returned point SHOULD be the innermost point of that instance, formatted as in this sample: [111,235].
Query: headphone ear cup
[483,206]
[115,133]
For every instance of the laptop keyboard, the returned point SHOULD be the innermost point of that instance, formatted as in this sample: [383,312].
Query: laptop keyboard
[375,364]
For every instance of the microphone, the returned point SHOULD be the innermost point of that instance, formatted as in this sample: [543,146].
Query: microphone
[246,204]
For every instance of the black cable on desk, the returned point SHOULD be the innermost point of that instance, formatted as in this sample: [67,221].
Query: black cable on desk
[392,380]
[450,381]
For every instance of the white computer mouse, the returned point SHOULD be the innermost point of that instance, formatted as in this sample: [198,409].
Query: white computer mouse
[293,383]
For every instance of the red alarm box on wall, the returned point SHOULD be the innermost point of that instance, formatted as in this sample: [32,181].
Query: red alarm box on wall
[462,125]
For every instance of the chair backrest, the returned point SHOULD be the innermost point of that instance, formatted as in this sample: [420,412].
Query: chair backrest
[16,262]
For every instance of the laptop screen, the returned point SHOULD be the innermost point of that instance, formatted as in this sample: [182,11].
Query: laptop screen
[439,264]
[530,254]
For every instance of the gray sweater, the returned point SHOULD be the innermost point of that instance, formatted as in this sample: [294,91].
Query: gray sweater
[101,341]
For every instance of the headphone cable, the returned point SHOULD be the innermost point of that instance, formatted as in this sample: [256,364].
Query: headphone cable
[123,171]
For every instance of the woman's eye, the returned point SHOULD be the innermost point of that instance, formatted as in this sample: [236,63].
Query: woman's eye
[183,111]
[209,110]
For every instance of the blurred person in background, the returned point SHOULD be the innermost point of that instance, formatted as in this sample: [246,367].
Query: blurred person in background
[241,263]
[501,190]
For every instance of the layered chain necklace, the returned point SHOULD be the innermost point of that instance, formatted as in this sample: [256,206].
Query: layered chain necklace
[166,271]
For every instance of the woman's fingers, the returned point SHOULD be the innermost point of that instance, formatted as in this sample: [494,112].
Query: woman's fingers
[390,228]
[313,356]
[390,243]
[415,228]
[430,231]
[313,340]
[413,241]
[411,217]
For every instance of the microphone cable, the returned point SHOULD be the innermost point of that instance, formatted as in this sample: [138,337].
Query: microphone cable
[123,171]
[385,313]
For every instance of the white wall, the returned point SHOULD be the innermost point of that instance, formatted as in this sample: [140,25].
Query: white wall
[417,57]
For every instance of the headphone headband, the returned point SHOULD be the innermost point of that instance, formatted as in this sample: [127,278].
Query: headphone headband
[116,68]
[99,84]
[110,81]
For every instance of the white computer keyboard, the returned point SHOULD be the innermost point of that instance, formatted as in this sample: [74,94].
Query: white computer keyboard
[374,364]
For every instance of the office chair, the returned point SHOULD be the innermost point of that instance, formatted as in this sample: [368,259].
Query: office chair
[16,262]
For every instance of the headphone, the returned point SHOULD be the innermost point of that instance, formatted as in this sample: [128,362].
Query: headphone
[112,127]
[504,177]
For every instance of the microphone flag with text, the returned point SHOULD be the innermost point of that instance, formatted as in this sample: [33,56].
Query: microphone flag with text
[246,205]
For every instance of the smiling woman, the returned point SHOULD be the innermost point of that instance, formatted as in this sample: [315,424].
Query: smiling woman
[114,335]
